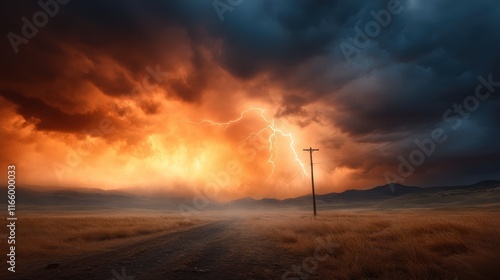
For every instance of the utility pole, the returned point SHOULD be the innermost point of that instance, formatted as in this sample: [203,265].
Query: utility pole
[311,150]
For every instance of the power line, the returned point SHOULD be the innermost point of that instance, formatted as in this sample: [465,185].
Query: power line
[364,153]
[367,152]
[293,178]
[383,146]
[311,150]
[296,174]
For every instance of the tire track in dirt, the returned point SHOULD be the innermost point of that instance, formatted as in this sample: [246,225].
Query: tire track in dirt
[217,250]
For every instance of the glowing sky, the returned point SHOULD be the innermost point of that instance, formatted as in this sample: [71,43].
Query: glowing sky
[137,95]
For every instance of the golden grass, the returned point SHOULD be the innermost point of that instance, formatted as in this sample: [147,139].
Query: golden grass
[39,236]
[384,245]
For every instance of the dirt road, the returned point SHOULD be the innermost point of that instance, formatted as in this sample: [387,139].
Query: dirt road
[217,250]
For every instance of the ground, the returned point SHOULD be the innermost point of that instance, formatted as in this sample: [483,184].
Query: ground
[411,244]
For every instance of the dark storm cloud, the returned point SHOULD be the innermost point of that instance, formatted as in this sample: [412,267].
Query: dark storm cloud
[437,49]
[122,37]
[49,118]
[191,88]
[426,59]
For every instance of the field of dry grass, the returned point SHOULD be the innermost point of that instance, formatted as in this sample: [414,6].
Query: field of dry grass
[390,245]
[404,244]
[41,237]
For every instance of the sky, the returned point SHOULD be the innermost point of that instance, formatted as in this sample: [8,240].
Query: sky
[183,97]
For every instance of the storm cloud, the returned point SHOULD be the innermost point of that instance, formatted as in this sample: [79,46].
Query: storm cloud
[368,106]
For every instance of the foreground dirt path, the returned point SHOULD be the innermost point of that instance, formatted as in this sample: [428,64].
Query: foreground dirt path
[217,250]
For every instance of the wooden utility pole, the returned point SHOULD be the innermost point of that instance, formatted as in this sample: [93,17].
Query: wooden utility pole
[311,150]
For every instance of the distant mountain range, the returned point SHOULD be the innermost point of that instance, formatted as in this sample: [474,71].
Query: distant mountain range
[33,198]
[482,194]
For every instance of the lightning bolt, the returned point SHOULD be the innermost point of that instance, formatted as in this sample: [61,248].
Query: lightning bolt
[273,137]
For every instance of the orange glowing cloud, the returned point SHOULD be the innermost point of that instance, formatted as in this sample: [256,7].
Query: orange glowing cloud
[175,101]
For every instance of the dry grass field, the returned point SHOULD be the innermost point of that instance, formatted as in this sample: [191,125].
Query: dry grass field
[340,244]
[390,245]
[56,236]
